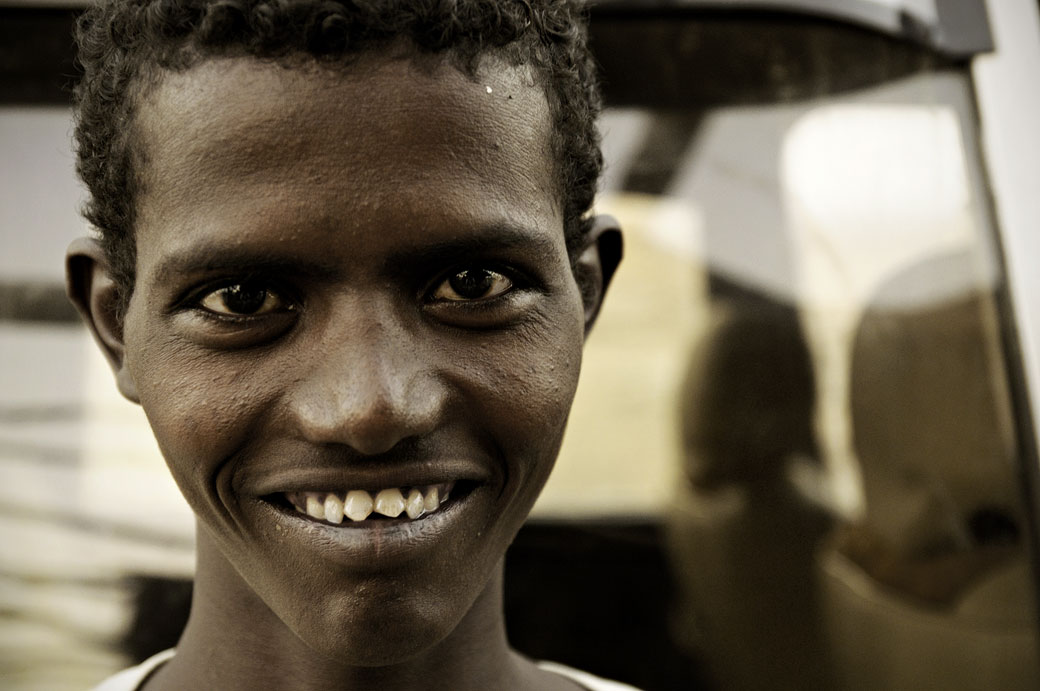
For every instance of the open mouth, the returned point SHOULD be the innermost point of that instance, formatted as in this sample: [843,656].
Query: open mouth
[359,507]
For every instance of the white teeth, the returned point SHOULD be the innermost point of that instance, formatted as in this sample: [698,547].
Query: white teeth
[390,502]
[333,509]
[315,509]
[433,499]
[358,505]
[415,506]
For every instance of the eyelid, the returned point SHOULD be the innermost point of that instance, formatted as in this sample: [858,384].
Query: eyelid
[193,300]
[270,296]
[446,283]
[519,278]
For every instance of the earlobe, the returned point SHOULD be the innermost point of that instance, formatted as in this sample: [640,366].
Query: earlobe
[96,296]
[599,258]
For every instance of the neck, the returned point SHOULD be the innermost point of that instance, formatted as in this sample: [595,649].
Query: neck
[233,640]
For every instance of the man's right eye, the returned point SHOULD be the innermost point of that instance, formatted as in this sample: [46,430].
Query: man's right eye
[473,284]
[244,300]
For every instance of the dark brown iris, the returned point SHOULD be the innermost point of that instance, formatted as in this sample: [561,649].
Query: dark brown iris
[244,298]
[472,284]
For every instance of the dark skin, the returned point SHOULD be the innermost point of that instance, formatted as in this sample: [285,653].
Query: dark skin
[350,279]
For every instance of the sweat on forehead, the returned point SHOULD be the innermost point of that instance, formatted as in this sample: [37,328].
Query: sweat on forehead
[126,44]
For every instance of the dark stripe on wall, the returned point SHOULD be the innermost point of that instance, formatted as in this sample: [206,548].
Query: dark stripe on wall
[35,301]
[36,56]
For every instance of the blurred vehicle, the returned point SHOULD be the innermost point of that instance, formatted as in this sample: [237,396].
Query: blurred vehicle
[803,453]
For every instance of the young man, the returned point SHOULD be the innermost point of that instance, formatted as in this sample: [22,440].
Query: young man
[344,264]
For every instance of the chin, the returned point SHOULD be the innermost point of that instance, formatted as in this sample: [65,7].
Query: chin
[368,627]
[378,640]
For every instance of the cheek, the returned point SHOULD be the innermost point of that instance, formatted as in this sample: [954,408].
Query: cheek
[545,390]
[199,409]
[531,395]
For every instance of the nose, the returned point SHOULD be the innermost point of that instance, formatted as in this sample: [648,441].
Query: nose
[371,384]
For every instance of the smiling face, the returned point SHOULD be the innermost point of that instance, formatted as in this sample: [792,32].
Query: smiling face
[352,283]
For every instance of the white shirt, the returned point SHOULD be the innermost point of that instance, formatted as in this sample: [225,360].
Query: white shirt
[132,678]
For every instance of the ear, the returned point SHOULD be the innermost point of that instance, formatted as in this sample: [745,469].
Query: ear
[90,287]
[598,259]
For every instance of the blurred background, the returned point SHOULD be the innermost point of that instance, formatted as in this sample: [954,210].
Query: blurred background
[802,455]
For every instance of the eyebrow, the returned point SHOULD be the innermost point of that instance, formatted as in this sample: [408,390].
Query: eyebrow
[208,258]
[492,238]
[213,258]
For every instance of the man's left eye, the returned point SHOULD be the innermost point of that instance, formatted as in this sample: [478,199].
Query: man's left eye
[473,284]
[243,300]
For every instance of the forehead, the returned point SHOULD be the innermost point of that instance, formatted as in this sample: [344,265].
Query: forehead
[417,136]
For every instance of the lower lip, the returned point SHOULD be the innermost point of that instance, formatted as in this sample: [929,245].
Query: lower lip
[374,544]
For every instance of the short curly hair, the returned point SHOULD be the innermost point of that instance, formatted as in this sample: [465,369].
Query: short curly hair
[125,46]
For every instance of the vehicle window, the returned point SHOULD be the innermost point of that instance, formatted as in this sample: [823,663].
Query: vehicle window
[803,366]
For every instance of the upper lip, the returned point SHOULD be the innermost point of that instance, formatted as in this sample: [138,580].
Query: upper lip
[367,476]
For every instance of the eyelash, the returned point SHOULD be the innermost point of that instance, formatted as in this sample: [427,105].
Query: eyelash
[194,301]
[514,279]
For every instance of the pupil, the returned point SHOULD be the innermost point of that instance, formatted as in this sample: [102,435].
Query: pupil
[471,283]
[244,299]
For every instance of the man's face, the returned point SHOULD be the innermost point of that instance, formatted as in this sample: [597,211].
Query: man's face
[351,282]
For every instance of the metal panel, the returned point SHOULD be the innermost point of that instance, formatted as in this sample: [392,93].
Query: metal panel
[954,27]
[1009,108]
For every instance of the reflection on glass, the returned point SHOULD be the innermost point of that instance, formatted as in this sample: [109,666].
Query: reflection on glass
[744,531]
[932,582]
[848,513]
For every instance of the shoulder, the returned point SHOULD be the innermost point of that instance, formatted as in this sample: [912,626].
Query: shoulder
[132,678]
[589,681]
